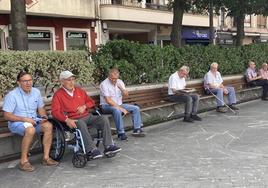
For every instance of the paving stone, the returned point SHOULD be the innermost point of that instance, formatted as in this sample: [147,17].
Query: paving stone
[222,151]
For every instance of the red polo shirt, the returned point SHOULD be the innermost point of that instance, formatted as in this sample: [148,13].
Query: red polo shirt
[65,106]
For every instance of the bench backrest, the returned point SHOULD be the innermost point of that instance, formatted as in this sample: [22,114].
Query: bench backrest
[145,97]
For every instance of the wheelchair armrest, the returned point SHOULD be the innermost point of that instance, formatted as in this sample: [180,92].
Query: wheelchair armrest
[96,111]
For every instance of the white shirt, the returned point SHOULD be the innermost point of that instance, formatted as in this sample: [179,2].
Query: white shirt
[71,93]
[211,79]
[107,89]
[175,82]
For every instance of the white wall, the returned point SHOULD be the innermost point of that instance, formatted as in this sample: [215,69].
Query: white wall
[62,8]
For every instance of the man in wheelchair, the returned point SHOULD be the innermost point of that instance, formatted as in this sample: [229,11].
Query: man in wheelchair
[72,105]
[20,109]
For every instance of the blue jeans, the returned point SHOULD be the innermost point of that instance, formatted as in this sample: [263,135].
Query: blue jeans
[219,93]
[118,118]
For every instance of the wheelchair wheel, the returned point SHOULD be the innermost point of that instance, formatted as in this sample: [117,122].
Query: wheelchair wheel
[58,141]
[79,160]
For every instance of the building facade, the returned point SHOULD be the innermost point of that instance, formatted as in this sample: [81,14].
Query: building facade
[256,29]
[69,24]
[150,21]
[53,25]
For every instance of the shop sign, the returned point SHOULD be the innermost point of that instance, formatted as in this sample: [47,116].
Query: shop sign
[192,33]
[229,41]
[76,35]
[39,35]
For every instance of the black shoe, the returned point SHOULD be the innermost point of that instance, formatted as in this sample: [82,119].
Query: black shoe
[264,99]
[196,117]
[122,136]
[188,119]
[233,107]
[138,133]
[94,154]
[221,109]
[112,149]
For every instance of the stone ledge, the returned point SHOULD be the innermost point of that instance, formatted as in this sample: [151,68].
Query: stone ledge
[176,110]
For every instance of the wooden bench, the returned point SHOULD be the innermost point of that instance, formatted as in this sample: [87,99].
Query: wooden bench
[150,98]
[146,99]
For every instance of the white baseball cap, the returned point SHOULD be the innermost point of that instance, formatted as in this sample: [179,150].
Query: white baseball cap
[65,75]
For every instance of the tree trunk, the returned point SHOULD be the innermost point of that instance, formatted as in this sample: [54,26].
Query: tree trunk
[178,10]
[240,28]
[211,27]
[240,33]
[18,22]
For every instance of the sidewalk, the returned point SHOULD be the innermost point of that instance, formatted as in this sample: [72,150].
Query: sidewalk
[224,150]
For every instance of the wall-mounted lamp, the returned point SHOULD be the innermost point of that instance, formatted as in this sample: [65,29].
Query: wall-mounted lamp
[104,27]
[93,24]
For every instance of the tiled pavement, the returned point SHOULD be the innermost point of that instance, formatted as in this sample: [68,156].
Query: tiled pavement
[224,150]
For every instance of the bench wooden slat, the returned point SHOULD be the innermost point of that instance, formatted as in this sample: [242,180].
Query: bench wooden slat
[146,99]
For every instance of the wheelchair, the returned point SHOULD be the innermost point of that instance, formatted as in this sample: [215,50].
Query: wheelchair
[59,143]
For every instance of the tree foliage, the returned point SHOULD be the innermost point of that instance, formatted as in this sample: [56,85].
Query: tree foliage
[194,6]
[238,9]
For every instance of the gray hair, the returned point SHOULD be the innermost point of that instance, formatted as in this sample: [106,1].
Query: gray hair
[185,68]
[113,70]
[214,64]
[251,62]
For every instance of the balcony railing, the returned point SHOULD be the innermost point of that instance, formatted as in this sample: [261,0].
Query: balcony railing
[135,3]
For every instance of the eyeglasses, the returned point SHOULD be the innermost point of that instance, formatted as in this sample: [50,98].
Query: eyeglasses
[26,81]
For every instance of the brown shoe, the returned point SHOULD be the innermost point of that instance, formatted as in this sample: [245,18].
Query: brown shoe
[49,162]
[26,166]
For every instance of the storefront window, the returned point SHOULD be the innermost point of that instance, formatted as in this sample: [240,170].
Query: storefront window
[261,21]
[247,22]
[222,16]
[39,40]
[76,41]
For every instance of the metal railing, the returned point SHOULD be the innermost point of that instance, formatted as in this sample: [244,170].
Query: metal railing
[135,3]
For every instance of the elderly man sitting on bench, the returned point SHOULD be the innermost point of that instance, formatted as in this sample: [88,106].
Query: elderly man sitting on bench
[213,83]
[178,93]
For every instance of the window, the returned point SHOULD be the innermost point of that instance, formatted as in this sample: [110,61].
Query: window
[39,40]
[76,40]
[247,21]
[261,21]
[222,17]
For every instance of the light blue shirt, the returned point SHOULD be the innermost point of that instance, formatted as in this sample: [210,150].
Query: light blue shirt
[107,89]
[211,79]
[22,104]
[250,73]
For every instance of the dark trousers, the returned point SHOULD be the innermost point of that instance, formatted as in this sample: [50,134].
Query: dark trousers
[98,122]
[263,83]
[191,102]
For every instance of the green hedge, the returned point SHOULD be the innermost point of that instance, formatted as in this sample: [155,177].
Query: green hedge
[138,63]
[48,64]
[152,64]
